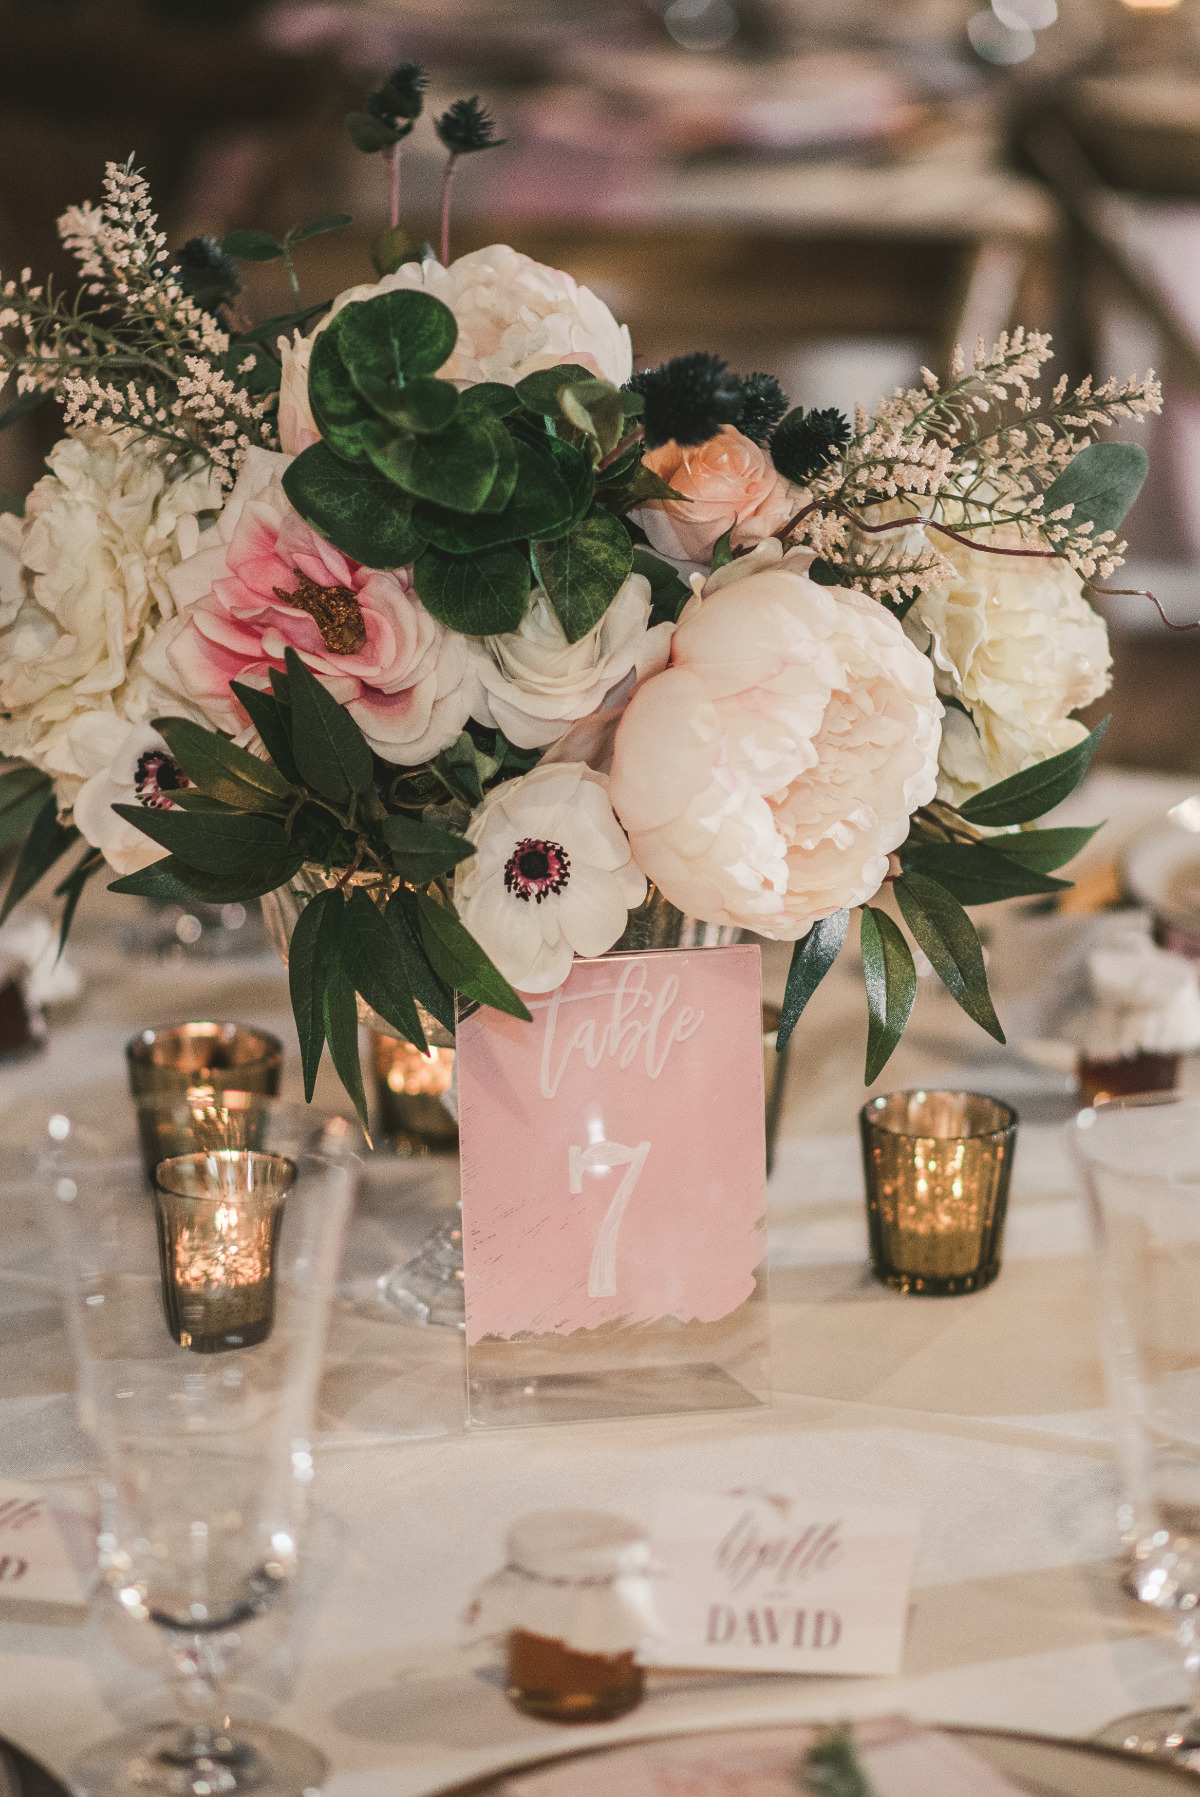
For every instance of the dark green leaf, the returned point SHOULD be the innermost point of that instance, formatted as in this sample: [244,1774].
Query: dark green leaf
[222,770]
[644,484]
[1046,849]
[1036,790]
[393,338]
[458,770]
[595,407]
[361,513]
[330,749]
[264,374]
[668,594]
[539,392]
[504,482]
[273,721]
[337,407]
[370,135]
[575,470]
[71,889]
[540,503]
[582,574]
[458,959]
[722,553]
[228,843]
[252,246]
[479,595]
[10,501]
[423,405]
[976,873]
[822,575]
[1101,482]
[427,988]
[490,396]
[46,842]
[339,1007]
[22,406]
[319,226]
[947,936]
[422,852]
[23,792]
[172,882]
[891,982]
[372,958]
[812,958]
[306,983]
[283,321]
[456,469]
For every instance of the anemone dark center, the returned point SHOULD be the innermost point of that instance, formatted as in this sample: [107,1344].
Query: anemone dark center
[156,776]
[334,610]
[536,868]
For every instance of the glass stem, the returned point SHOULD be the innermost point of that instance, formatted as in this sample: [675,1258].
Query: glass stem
[1188,1635]
[199,1668]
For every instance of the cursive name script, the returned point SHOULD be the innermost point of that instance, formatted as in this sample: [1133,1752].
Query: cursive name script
[638,1022]
[785,1557]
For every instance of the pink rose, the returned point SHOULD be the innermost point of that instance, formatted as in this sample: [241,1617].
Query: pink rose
[271,583]
[728,482]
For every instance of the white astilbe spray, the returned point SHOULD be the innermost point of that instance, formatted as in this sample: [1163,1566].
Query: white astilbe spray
[132,349]
[972,455]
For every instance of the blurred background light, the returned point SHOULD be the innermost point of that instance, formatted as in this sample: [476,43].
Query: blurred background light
[1026,15]
[701,24]
[997,42]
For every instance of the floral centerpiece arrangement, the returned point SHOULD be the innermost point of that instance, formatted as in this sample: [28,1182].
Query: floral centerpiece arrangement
[444,621]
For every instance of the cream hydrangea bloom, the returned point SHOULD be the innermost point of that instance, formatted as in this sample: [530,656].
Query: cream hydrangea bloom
[100,533]
[514,317]
[765,776]
[535,684]
[1015,641]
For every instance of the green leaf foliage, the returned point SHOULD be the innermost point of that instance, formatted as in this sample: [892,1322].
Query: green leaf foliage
[722,553]
[404,332]
[270,328]
[595,407]
[369,134]
[223,771]
[23,792]
[335,222]
[582,574]
[375,964]
[1101,482]
[330,749]
[22,406]
[46,842]
[358,510]
[976,873]
[812,958]
[306,984]
[668,594]
[337,407]
[540,504]
[172,882]
[71,890]
[252,246]
[458,959]
[421,851]
[480,595]
[456,469]
[273,721]
[231,844]
[891,981]
[1045,850]
[458,769]
[642,483]
[575,470]
[427,988]
[539,392]
[424,405]
[490,396]
[1036,790]
[339,1006]
[947,936]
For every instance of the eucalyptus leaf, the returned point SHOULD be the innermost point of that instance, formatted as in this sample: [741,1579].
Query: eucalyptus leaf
[582,574]
[539,503]
[668,594]
[360,512]
[1101,482]
[223,771]
[331,751]
[458,959]
[252,246]
[402,334]
[539,391]
[479,595]
[595,407]
[337,407]
[335,222]
[947,936]
[455,469]
[423,405]
[890,977]
[490,396]
[812,958]
[372,958]
[1035,790]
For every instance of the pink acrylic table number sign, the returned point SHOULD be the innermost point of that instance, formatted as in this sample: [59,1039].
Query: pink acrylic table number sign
[613,1188]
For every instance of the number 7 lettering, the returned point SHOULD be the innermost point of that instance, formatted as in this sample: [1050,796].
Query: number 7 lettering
[602,1274]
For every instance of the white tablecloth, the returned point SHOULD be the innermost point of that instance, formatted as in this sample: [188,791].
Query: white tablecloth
[984,1412]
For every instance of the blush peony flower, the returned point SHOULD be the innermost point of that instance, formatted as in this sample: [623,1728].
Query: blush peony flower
[728,482]
[551,876]
[123,764]
[270,583]
[83,584]
[765,776]
[1015,642]
[534,683]
[514,316]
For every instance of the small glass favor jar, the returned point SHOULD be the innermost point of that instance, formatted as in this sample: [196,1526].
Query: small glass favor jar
[573,1605]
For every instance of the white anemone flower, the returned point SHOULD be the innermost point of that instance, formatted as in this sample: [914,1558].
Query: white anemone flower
[551,876]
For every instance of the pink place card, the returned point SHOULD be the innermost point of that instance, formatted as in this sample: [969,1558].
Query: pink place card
[612,1151]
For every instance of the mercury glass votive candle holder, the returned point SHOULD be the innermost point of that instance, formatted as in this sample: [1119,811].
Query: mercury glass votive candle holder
[217,1059]
[408,1092]
[937,1166]
[218,1220]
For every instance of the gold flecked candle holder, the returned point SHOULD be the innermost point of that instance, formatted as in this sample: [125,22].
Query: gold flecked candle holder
[937,1166]
[218,1226]
[408,1092]
[208,1062]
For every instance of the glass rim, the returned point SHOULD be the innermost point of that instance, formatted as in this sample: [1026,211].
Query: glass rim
[140,1047]
[226,1156]
[965,1135]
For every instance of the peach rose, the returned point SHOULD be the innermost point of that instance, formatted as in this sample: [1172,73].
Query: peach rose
[727,482]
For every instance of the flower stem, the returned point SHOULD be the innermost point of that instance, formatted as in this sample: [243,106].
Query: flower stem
[395,185]
[447,178]
[636,435]
[875,530]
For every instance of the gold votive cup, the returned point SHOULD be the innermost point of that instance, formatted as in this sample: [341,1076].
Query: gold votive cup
[218,1220]
[408,1093]
[214,1058]
[937,1166]
[200,1120]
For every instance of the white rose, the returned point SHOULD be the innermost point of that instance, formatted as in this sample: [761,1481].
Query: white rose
[535,683]
[551,876]
[514,316]
[1014,640]
[100,533]
[764,777]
